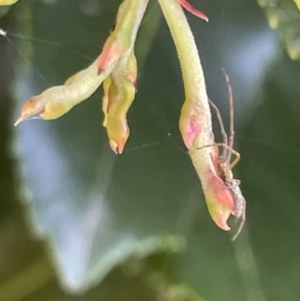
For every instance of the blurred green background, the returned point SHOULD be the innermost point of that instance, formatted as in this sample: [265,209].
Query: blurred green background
[135,226]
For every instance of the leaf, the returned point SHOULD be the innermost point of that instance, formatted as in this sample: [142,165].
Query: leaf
[297,3]
[93,207]
[8,2]
[284,16]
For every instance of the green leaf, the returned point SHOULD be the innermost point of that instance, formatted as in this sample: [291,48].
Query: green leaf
[8,2]
[93,206]
[284,16]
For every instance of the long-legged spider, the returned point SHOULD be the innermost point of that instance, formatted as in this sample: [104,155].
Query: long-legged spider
[224,166]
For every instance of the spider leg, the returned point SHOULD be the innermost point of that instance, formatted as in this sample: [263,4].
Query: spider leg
[231,111]
[231,151]
[222,128]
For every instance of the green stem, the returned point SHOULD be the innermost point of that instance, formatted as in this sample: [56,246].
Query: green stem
[195,119]
[194,82]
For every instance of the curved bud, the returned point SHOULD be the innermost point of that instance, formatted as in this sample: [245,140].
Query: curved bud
[58,100]
[120,98]
[118,133]
[34,106]
[219,199]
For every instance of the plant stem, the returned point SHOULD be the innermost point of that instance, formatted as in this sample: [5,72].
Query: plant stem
[192,72]
[194,82]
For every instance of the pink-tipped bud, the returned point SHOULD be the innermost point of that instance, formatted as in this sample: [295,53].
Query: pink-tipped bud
[193,10]
[118,133]
[219,199]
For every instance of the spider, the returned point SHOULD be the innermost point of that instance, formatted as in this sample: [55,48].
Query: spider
[224,166]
